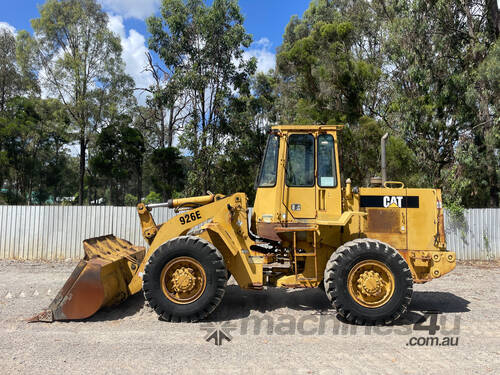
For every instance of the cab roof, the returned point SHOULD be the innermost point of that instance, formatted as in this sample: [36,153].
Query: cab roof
[307,128]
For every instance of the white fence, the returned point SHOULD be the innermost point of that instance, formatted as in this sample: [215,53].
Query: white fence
[56,232]
[476,235]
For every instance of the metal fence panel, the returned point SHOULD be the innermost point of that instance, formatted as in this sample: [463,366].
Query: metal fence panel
[476,235]
[57,232]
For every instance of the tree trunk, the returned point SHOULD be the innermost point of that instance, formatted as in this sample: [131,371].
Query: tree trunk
[2,98]
[113,193]
[139,185]
[493,19]
[485,118]
[82,170]
[494,191]
[162,127]
[170,131]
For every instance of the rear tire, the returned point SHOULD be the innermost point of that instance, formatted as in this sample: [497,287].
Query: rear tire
[185,279]
[368,282]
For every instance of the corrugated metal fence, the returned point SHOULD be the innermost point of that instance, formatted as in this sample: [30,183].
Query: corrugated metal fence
[56,232]
[475,235]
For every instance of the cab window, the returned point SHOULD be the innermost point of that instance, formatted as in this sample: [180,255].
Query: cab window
[269,166]
[327,176]
[300,163]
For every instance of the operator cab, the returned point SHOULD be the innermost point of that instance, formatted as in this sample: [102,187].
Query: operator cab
[299,177]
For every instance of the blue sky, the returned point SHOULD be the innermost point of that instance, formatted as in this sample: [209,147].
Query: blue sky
[264,19]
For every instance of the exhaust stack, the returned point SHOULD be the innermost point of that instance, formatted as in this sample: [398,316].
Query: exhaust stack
[383,162]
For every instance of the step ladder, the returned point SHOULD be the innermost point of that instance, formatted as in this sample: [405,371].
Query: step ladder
[296,254]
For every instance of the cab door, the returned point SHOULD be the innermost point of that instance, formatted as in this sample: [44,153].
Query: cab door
[329,202]
[299,193]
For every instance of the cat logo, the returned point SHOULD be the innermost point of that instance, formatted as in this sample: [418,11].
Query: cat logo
[389,201]
[393,201]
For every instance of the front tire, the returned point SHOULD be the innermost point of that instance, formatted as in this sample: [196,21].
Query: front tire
[368,282]
[185,279]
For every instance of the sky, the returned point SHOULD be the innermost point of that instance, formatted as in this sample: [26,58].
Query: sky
[264,19]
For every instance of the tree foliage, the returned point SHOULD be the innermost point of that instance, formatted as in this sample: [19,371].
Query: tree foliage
[442,98]
[205,45]
[35,164]
[322,79]
[427,72]
[118,160]
[168,173]
[79,60]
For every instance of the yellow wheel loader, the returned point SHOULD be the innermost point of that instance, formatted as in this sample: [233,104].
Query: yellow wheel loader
[365,246]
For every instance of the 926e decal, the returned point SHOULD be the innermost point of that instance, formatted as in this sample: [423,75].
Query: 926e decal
[190,217]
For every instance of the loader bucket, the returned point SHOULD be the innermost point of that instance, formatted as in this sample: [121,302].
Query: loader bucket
[100,279]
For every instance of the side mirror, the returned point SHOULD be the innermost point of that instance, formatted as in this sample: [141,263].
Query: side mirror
[348,189]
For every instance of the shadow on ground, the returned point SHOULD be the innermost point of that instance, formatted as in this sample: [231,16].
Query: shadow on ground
[130,307]
[240,304]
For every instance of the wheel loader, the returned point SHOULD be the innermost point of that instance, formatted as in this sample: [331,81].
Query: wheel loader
[365,247]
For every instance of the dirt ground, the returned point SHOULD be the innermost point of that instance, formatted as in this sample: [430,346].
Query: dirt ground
[272,331]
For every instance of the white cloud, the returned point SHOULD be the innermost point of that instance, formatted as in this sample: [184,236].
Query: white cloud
[132,8]
[8,26]
[263,42]
[133,53]
[261,50]
[115,24]
[47,90]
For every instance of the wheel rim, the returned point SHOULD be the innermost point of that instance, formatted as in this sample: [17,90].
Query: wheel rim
[371,283]
[183,280]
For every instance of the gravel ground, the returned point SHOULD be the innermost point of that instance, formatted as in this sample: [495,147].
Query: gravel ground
[305,336]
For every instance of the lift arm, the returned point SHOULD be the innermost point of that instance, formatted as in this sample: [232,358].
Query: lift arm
[156,235]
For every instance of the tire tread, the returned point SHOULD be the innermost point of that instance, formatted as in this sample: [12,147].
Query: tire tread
[348,252]
[221,280]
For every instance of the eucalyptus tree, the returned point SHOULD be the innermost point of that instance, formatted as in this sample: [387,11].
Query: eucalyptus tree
[166,110]
[426,71]
[77,57]
[36,164]
[15,74]
[444,95]
[118,159]
[203,44]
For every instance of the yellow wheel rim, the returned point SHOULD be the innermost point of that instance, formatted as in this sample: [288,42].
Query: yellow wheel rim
[371,283]
[183,280]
